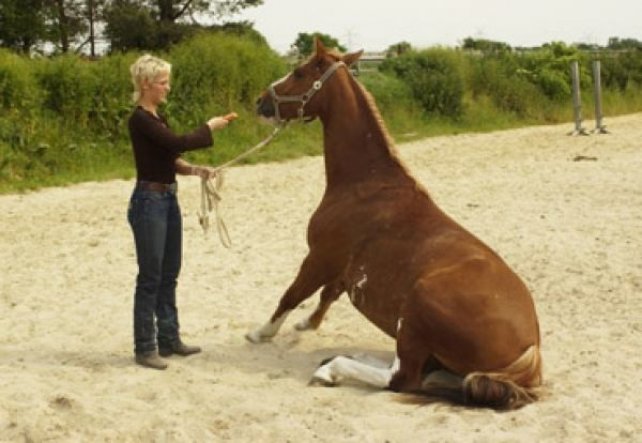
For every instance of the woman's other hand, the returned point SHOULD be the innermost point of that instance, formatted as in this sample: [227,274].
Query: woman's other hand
[204,171]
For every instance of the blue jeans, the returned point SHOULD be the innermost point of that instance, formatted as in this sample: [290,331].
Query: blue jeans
[155,219]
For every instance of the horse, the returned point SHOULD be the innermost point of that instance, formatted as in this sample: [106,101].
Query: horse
[464,323]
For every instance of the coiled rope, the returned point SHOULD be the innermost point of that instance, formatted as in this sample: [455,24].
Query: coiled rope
[211,192]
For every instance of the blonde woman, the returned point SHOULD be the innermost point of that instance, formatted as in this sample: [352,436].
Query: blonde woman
[154,213]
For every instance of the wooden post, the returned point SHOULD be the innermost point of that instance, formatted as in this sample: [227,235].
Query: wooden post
[577,100]
[597,93]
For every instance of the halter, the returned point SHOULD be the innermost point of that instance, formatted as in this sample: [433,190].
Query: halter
[301,98]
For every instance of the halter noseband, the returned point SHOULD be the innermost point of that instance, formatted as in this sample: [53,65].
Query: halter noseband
[301,98]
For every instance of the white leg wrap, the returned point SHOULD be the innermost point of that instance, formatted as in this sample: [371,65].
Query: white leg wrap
[344,367]
[303,325]
[267,331]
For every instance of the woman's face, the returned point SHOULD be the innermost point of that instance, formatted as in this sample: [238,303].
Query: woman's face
[157,90]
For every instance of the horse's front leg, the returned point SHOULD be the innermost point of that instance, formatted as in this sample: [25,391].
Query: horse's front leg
[312,275]
[329,294]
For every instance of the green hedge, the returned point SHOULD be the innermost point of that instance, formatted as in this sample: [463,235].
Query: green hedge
[63,119]
[66,115]
[434,77]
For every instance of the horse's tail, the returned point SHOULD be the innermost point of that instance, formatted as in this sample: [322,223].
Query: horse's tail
[506,389]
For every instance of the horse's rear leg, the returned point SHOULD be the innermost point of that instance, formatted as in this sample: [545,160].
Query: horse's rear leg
[311,277]
[329,294]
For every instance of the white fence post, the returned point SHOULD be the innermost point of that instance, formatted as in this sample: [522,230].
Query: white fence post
[597,92]
[577,100]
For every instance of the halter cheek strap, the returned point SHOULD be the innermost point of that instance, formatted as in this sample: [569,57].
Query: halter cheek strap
[300,98]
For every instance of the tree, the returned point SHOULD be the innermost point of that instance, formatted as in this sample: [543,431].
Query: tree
[65,22]
[93,14]
[27,23]
[485,46]
[398,49]
[157,24]
[129,25]
[173,10]
[624,43]
[22,24]
[72,24]
[304,43]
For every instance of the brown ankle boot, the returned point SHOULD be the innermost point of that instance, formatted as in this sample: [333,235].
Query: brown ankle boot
[178,348]
[151,360]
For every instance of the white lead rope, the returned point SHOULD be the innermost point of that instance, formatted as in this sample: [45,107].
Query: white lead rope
[211,193]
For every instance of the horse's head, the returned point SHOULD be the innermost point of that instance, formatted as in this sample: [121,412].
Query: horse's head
[300,93]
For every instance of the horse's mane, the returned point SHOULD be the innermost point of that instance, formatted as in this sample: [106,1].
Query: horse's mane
[372,105]
[381,124]
[374,109]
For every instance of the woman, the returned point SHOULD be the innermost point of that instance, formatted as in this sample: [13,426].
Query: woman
[154,213]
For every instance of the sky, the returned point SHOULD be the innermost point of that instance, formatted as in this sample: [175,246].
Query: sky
[374,25]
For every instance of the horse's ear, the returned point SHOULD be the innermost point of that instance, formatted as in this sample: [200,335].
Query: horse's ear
[352,57]
[319,47]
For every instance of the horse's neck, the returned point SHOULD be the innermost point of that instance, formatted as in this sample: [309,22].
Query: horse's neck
[355,142]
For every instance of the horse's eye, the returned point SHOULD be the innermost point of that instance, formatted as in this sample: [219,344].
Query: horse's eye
[298,73]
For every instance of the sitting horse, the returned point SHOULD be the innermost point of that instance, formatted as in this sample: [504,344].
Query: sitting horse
[452,304]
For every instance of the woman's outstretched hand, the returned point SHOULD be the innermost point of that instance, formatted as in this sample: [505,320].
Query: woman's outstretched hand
[220,122]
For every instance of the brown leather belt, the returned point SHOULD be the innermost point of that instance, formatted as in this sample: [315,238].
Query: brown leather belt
[157,187]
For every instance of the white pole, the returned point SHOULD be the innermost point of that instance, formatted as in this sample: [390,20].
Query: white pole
[597,92]
[577,100]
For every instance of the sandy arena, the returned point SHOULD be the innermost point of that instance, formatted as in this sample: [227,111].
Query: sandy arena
[565,212]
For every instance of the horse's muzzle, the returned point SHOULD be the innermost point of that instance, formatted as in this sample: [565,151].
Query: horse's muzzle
[265,106]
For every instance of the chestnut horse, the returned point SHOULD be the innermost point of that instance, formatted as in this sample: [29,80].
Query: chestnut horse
[452,304]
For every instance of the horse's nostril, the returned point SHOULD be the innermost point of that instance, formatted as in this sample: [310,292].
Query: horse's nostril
[265,107]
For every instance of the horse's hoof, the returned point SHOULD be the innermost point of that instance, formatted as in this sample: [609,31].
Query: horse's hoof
[256,337]
[325,361]
[303,325]
[318,381]
[323,377]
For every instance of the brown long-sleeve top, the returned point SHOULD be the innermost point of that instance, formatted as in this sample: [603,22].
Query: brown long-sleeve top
[156,147]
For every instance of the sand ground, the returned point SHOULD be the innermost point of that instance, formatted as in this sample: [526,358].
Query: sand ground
[571,227]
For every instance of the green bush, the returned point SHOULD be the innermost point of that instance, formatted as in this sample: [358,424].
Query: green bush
[622,70]
[395,101]
[549,68]
[110,103]
[17,86]
[389,91]
[504,82]
[66,115]
[216,72]
[63,119]
[434,77]
[67,87]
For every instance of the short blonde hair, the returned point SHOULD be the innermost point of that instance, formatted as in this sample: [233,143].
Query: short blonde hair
[147,67]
